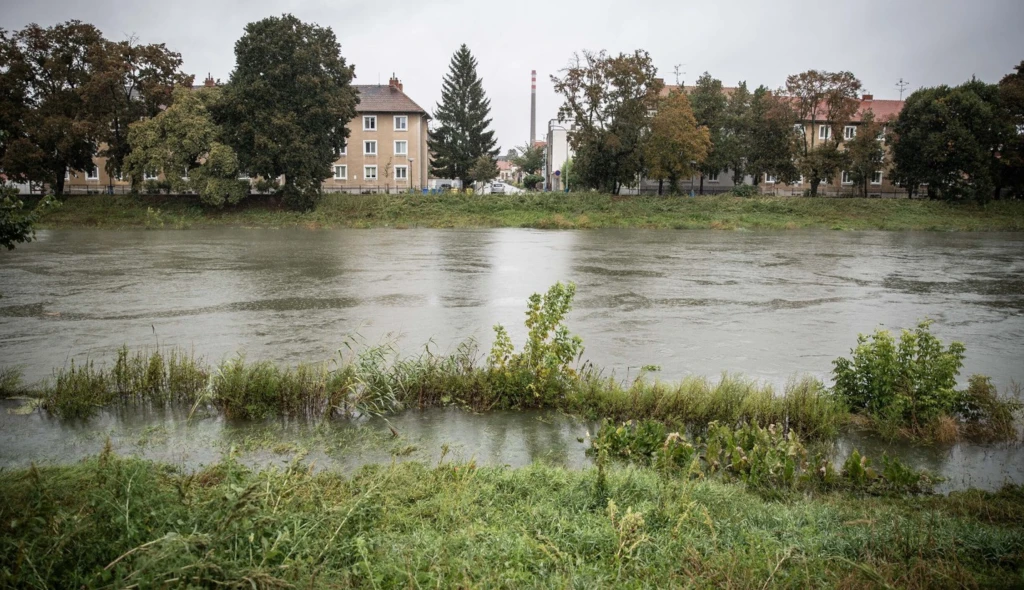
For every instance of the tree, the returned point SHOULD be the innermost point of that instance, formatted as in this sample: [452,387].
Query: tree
[1011,100]
[529,158]
[48,128]
[865,153]
[15,225]
[462,134]
[610,101]
[676,146]
[771,145]
[828,99]
[287,103]
[129,82]
[709,107]
[185,143]
[734,143]
[950,138]
[484,169]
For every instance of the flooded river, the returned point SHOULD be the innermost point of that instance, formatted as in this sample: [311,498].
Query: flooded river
[769,305]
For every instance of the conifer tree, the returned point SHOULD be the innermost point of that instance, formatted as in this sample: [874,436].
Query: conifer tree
[463,117]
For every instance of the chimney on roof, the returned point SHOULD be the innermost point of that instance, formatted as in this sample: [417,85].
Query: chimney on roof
[209,83]
[869,97]
[394,83]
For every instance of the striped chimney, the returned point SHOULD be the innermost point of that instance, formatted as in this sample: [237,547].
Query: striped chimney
[533,107]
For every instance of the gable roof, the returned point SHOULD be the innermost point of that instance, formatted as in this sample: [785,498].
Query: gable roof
[384,99]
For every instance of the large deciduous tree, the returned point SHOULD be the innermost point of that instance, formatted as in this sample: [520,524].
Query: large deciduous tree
[822,99]
[485,169]
[529,158]
[951,139]
[677,146]
[709,105]
[187,145]
[48,127]
[130,82]
[287,104]
[1011,100]
[609,100]
[865,153]
[463,133]
[771,145]
[733,146]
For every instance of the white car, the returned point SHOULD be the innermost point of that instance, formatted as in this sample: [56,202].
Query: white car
[500,188]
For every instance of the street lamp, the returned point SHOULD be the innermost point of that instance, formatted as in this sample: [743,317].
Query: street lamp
[412,169]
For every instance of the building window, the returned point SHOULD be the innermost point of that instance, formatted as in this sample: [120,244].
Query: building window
[849,132]
[150,175]
[876,178]
[401,172]
[713,177]
[401,123]
[824,132]
[341,172]
[93,173]
[401,148]
[370,147]
[370,123]
[343,151]
[67,174]
[846,178]
[769,178]
[370,172]
[184,175]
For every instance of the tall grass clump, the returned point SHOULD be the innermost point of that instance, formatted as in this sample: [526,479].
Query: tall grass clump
[112,522]
[909,387]
[261,390]
[78,391]
[11,383]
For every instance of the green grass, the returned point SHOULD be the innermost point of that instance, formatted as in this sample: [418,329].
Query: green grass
[542,210]
[118,522]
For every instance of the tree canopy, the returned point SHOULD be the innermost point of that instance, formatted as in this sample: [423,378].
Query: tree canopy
[287,104]
[676,146]
[827,99]
[463,131]
[709,105]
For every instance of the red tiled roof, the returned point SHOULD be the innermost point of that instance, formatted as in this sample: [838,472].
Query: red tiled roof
[668,88]
[883,109]
[384,99]
[504,165]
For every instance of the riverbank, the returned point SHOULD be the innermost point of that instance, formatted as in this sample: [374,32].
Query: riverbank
[118,522]
[540,210]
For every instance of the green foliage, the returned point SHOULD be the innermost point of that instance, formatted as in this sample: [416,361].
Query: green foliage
[542,373]
[485,169]
[767,459]
[912,382]
[744,190]
[709,109]
[610,100]
[532,181]
[1011,160]
[675,142]
[16,227]
[822,98]
[462,135]
[10,382]
[985,414]
[286,106]
[865,154]
[951,139]
[119,521]
[529,159]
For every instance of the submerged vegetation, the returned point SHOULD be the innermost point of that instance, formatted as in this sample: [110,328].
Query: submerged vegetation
[540,210]
[121,522]
[907,388]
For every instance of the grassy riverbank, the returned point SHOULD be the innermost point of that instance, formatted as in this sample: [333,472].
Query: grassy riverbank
[546,211]
[118,522]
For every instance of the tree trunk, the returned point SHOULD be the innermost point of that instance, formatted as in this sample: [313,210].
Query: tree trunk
[701,184]
[58,187]
[814,187]
[661,183]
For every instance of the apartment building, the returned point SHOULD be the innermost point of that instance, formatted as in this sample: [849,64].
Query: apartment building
[386,150]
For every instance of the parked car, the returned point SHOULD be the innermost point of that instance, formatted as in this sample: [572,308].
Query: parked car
[500,188]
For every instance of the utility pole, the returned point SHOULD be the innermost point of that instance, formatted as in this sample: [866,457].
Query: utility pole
[901,85]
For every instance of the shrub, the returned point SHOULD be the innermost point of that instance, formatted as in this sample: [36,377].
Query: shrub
[985,414]
[911,382]
[745,190]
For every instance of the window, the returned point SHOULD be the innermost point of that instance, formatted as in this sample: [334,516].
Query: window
[846,178]
[824,132]
[343,151]
[401,172]
[401,148]
[370,123]
[849,132]
[881,134]
[713,177]
[769,178]
[184,175]
[370,147]
[370,172]
[401,123]
[341,172]
[876,178]
[67,174]
[150,175]
[93,173]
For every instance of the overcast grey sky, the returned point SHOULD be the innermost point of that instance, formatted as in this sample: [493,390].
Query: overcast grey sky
[926,42]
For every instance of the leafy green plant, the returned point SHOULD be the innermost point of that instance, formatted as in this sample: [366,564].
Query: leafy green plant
[744,190]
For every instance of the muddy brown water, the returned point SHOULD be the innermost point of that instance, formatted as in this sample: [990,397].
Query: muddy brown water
[769,305]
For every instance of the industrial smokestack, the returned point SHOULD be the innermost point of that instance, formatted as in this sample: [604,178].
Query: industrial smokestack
[533,107]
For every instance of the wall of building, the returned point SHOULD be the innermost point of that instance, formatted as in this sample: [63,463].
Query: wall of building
[385,135]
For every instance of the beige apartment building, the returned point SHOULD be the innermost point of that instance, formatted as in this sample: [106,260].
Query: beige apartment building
[386,151]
